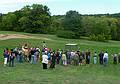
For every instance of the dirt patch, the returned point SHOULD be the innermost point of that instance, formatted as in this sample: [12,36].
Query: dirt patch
[11,36]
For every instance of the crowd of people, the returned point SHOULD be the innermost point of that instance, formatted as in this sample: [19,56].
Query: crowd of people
[51,57]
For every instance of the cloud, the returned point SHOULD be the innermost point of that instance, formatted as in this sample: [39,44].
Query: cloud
[6,2]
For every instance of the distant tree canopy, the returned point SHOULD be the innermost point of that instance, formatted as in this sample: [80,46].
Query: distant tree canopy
[37,19]
[32,19]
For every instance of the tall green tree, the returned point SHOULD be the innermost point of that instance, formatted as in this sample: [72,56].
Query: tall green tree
[40,19]
[9,22]
[72,22]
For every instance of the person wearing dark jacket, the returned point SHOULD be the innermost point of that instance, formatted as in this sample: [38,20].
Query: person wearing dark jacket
[88,57]
[53,59]
[101,57]
[115,59]
[11,59]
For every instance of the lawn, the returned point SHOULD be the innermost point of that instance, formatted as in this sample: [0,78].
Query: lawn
[26,73]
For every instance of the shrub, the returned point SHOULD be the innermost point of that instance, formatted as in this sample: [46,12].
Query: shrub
[100,37]
[65,34]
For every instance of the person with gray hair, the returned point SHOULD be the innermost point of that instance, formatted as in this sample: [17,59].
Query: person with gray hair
[45,60]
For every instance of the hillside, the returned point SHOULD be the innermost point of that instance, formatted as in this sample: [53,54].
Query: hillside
[26,73]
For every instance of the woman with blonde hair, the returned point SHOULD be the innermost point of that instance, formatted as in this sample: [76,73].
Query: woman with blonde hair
[64,59]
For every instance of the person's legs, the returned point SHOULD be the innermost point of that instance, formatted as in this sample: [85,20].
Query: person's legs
[5,61]
[63,62]
[76,62]
[87,61]
[45,66]
[32,59]
[105,61]
[12,61]
[119,60]
[35,59]
[51,65]
[95,60]
[21,59]
[17,58]
[101,61]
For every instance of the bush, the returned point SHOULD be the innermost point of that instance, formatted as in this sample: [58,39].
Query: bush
[100,37]
[65,34]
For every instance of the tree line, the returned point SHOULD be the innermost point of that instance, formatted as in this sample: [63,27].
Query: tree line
[37,19]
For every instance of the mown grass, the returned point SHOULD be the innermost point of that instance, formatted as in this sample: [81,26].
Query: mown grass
[26,73]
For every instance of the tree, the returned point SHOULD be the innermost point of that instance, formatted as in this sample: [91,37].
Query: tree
[39,18]
[72,22]
[9,22]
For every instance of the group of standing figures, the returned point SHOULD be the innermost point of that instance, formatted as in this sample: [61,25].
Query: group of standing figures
[51,57]
[75,58]
[23,54]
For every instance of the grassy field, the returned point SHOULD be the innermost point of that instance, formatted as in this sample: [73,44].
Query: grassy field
[33,74]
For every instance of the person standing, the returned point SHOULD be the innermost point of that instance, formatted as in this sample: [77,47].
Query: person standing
[6,56]
[38,53]
[64,59]
[45,60]
[101,57]
[32,56]
[95,58]
[88,57]
[105,58]
[12,56]
[83,55]
[57,56]
[49,56]
[76,59]
[20,55]
[115,59]
[68,57]
[53,60]
[80,59]
[119,58]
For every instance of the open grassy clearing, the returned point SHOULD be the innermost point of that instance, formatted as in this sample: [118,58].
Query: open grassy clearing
[33,74]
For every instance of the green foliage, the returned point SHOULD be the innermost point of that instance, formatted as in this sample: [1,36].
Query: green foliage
[32,19]
[72,22]
[65,34]
[27,73]
[37,19]
[100,37]
[9,22]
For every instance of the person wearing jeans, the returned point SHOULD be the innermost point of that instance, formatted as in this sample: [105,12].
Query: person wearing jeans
[6,56]
[12,56]
[32,56]
[95,58]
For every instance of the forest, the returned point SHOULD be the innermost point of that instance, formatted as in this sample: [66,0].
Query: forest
[37,18]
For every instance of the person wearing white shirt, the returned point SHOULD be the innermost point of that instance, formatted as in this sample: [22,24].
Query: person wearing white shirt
[45,60]
[105,58]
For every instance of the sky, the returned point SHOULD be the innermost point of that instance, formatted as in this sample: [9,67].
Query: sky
[60,7]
